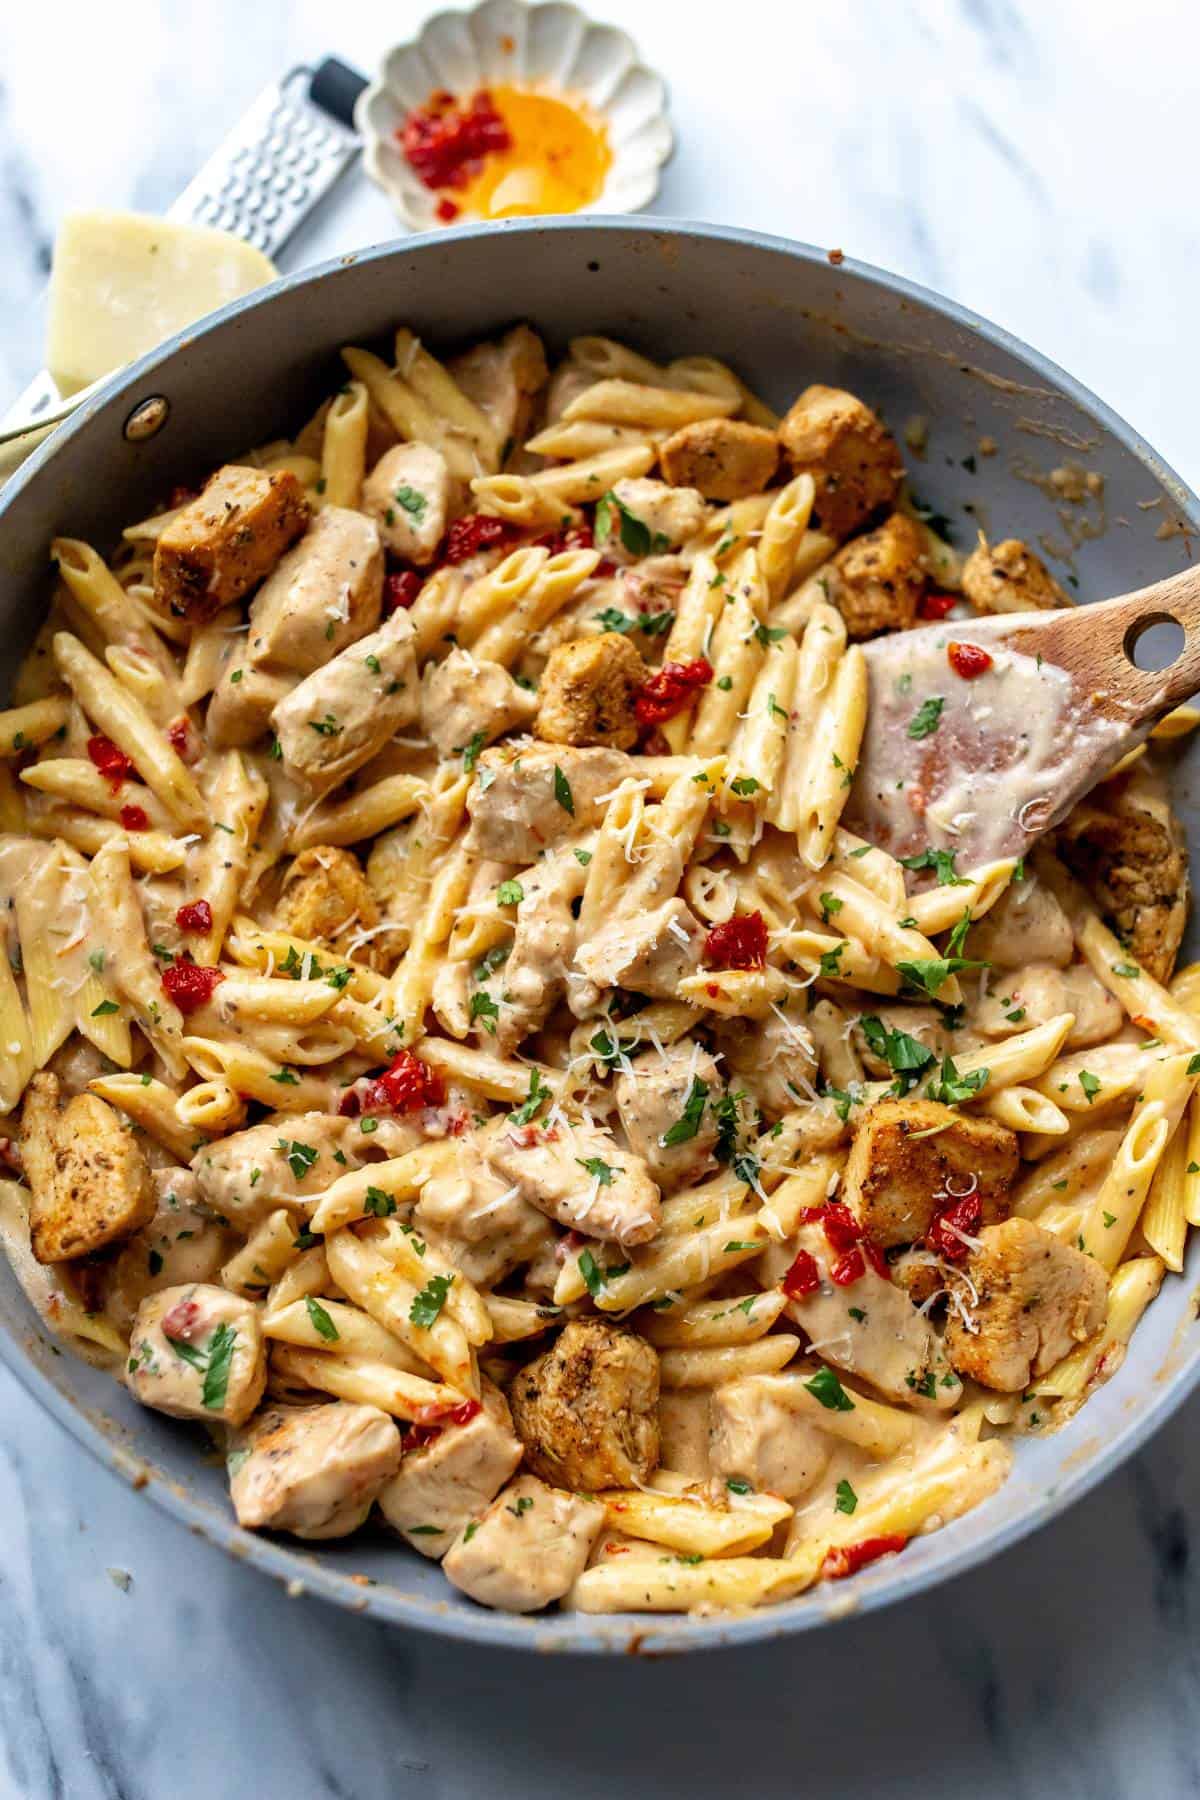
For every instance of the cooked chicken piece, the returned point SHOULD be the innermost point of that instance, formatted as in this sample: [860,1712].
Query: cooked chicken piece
[1026,925]
[1040,992]
[341,715]
[407,494]
[326,896]
[89,1181]
[247,1175]
[761,1433]
[588,691]
[587,1410]
[243,700]
[464,700]
[924,1023]
[537,795]
[1008,577]
[197,1352]
[502,379]
[876,580]
[528,1549]
[651,1099]
[645,517]
[1029,1299]
[226,540]
[723,459]
[577,1175]
[315,1471]
[1132,854]
[869,1327]
[683,1432]
[649,954]
[326,593]
[480,1219]
[774,1057]
[533,977]
[848,452]
[451,1473]
[182,1244]
[912,1158]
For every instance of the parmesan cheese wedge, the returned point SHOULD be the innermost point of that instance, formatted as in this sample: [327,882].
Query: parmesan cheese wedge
[123,282]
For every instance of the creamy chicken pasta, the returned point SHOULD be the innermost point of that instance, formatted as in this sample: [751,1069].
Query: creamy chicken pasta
[455,1051]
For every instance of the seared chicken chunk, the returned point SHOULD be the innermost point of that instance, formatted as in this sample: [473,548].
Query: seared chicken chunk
[577,1175]
[326,593]
[463,699]
[451,1474]
[651,1099]
[197,1352]
[315,1471]
[876,581]
[341,715]
[528,1549]
[533,977]
[1131,852]
[1040,992]
[649,954]
[502,379]
[723,459]
[1026,925]
[89,1182]
[1009,577]
[644,517]
[407,494]
[587,1410]
[326,896]
[282,1162]
[761,1433]
[1026,1300]
[538,794]
[226,540]
[848,452]
[182,1243]
[243,700]
[480,1220]
[912,1158]
[774,1057]
[588,691]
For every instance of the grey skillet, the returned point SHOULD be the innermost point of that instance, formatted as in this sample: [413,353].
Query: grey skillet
[785,317]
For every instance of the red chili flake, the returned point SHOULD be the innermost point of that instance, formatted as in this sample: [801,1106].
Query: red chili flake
[740,943]
[961,1215]
[876,1258]
[400,591]
[134,818]
[666,694]
[177,735]
[968,660]
[936,606]
[475,532]
[445,142]
[182,1319]
[447,210]
[112,763]
[406,1085]
[195,916]
[803,1278]
[850,1558]
[842,1230]
[190,985]
[848,1268]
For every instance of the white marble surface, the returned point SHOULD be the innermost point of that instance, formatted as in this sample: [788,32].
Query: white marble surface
[1034,161]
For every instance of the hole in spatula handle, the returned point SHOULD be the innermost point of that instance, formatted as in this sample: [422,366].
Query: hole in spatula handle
[1155,642]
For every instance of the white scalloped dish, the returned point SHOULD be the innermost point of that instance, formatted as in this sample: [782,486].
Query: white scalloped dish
[586,121]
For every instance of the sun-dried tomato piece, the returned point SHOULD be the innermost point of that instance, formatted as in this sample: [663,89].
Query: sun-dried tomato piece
[848,1559]
[401,589]
[968,660]
[876,1258]
[574,537]
[406,1085]
[475,532]
[135,818]
[803,1278]
[740,943]
[112,763]
[963,1215]
[190,985]
[430,1421]
[848,1268]
[673,688]
[445,141]
[936,606]
[177,735]
[195,916]
[842,1230]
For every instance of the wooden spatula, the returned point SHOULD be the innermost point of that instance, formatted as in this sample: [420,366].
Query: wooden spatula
[983,733]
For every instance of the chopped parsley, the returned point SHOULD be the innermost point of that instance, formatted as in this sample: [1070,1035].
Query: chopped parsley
[929,974]
[594,1276]
[583,858]
[927,717]
[470,752]
[653,624]
[562,791]
[105,1007]
[538,1091]
[322,1324]
[373,663]
[509,893]
[413,502]
[326,727]
[826,1388]
[830,904]
[596,1167]
[1127,971]
[829,960]
[846,1500]
[484,1010]
[301,1157]
[379,1203]
[635,534]
[905,1056]
[688,1123]
[430,1301]
[951,1088]
[743,786]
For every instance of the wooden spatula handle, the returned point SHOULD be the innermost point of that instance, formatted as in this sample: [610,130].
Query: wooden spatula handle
[1094,642]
